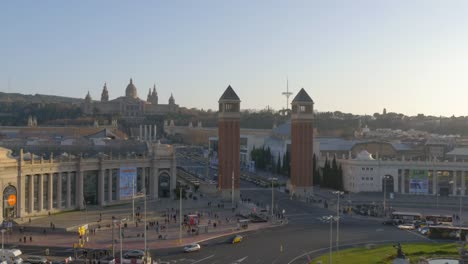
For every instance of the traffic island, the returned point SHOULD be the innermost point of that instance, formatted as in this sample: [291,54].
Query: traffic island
[415,253]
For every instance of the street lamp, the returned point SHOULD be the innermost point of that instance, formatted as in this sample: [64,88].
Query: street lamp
[143,194]
[460,210]
[120,235]
[272,196]
[338,193]
[3,232]
[385,193]
[330,219]
[232,191]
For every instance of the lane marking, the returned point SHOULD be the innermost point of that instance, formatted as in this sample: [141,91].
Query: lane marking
[239,260]
[419,235]
[198,261]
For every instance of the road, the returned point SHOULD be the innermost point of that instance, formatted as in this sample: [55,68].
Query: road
[305,233]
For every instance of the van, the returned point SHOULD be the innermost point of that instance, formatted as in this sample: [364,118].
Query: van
[11,256]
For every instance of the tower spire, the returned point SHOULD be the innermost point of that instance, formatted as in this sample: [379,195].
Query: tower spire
[287,93]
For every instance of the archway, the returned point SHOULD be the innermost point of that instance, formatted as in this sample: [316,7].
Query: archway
[388,183]
[9,202]
[164,185]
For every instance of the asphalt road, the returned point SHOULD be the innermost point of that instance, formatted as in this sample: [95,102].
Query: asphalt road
[305,236]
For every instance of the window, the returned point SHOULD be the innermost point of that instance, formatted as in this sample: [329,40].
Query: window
[371,178]
[362,178]
[363,169]
[371,169]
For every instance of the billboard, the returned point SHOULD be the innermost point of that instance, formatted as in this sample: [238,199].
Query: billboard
[127,186]
[419,181]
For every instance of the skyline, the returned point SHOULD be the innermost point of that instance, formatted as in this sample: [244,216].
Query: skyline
[355,57]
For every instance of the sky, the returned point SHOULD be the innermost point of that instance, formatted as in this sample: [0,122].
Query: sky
[352,56]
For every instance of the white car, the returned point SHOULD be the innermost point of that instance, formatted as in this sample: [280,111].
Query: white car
[406,226]
[134,254]
[192,248]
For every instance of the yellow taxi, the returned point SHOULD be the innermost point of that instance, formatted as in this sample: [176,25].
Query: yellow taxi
[236,239]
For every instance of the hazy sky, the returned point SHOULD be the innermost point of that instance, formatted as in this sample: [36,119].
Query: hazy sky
[352,56]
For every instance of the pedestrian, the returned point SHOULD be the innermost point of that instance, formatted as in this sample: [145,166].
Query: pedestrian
[30,238]
[24,239]
[30,220]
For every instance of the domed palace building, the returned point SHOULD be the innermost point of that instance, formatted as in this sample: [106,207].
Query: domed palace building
[129,106]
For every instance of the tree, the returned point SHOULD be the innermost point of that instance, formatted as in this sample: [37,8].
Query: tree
[278,164]
[334,174]
[316,175]
[326,173]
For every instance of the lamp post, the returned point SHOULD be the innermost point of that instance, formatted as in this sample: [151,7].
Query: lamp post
[120,231]
[180,214]
[330,219]
[232,191]
[133,200]
[146,254]
[3,232]
[460,211]
[338,193]
[460,214]
[272,196]
[385,193]
[143,194]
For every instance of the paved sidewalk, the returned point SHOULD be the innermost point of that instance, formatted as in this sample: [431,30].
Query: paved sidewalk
[159,213]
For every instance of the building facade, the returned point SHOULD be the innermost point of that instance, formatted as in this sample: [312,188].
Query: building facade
[37,187]
[129,106]
[229,145]
[430,177]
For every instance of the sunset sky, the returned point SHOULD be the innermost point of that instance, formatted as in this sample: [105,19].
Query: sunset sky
[351,56]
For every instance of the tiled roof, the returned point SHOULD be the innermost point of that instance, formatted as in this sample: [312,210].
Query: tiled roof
[302,96]
[229,94]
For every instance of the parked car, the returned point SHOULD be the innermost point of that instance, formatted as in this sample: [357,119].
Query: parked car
[107,260]
[192,248]
[134,254]
[406,226]
[388,222]
[35,259]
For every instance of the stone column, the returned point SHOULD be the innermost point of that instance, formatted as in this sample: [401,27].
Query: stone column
[143,177]
[68,190]
[141,134]
[79,189]
[145,133]
[463,183]
[59,190]
[155,133]
[403,171]
[31,193]
[150,138]
[109,185]
[454,179]
[117,189]
[102,173]
[41,192]
[21,194]
[435,183]
[50,193]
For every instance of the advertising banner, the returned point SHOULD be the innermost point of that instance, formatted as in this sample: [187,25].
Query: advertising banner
[419,181]
[127,186]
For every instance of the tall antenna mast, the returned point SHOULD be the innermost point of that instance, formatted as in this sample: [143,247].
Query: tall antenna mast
[287,93]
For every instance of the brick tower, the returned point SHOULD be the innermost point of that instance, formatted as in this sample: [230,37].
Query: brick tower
[229,144]
[301,145]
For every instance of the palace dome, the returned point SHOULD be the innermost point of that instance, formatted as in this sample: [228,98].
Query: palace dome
[364,155]
[131,90]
